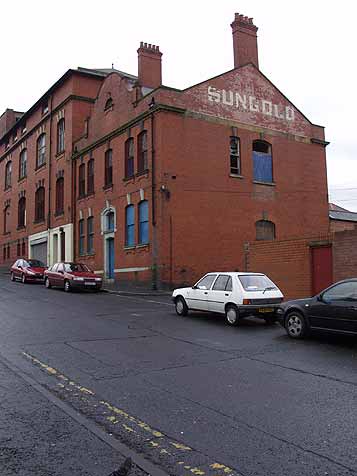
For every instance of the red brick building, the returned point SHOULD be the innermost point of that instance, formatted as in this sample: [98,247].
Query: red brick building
[168,184]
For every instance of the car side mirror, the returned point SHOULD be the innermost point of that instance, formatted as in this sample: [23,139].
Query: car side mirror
[60,272]
[20,267]
[194,287]
[319,298]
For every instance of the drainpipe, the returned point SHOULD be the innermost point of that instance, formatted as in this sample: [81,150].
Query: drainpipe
[153,203]
[74,205]
[49,183]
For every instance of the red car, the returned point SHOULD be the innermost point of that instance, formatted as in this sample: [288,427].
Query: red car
[70,276]
[27,270]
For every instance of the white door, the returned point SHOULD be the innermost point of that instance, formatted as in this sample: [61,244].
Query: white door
[197,296]
[220,293]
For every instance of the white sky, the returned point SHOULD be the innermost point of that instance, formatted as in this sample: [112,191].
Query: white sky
[306,48]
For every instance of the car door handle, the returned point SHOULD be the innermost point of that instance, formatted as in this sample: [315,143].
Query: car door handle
[206,292]
[226,294]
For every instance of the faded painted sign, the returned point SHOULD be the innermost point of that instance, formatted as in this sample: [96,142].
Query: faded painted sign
[250,103]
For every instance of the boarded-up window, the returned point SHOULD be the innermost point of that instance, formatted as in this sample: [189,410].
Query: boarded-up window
[265,230]
[262,162]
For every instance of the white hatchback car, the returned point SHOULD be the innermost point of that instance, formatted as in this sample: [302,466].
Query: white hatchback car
[235,294]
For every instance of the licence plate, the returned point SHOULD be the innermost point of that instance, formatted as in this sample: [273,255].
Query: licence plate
[89,284]
[266,309]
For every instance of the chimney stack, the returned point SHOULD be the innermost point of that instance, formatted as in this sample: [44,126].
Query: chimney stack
[149,65]
[245,46]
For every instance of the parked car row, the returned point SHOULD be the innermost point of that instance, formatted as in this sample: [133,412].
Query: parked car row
[68,276]
[238,295]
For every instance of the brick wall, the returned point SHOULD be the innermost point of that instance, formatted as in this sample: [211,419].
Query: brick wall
[345,254]
[287,263]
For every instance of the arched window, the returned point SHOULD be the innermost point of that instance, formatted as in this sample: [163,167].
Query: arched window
[60,136]
[143,222]
[60,196]
[129,226]
[6,218]
[8,174]
[142,152]
[21,222]
[108,104]
[82,181]
[110,219]
[129,158]
[90,177]
[23,164]
[40,204]
[262,162]
[108,172]
[41,151]
[265,230]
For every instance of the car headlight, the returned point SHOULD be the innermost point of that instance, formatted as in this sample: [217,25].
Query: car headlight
[98,279]
[78,278]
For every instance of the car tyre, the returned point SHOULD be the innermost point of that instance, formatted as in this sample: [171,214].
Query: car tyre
[232,315]
[67,286]
[23,278]
[181,306]
[295,325]
[47,283]
[12,276]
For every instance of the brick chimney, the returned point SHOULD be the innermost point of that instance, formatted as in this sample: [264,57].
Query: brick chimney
[245,46]
[149,65]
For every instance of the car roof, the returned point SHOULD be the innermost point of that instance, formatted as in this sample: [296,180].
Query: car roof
[236,273]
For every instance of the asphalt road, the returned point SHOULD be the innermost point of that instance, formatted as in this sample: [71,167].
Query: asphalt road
[190,395]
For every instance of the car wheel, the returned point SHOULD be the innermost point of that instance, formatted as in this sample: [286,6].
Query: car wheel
[12,276]
[23,278]
[67,286]
[47,283]
[295,325]
[181,306]
[232,315]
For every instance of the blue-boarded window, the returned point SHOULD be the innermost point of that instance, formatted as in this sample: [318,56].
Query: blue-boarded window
[143,222]
[262,162]
[129,226]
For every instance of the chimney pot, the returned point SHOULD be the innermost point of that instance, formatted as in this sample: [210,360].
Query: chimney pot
[149,65]
[245,46]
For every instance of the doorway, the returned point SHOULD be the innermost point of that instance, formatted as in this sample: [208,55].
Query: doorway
[110,257]
[321,262]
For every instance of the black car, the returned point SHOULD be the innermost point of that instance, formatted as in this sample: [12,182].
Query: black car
[334,309]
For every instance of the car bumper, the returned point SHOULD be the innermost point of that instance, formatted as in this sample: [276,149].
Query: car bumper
[83,285]
[263,311]
[37,279]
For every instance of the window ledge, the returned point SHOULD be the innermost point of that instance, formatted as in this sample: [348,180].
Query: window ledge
[90,194]
[39,222]
[128,248]
[59,214]
[7,188]
[108,187]
[6,233]
[270,184]
[22,179]
[142,173]
[21,227]
[128,179]
[40,167]
[143,245]
[81,197]
[236,176]
[59,154]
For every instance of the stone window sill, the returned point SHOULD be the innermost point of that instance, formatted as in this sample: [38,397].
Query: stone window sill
[270,184]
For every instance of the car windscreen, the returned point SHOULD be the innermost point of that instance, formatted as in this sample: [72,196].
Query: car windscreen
[34,263]
[76,267]
[254,282]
